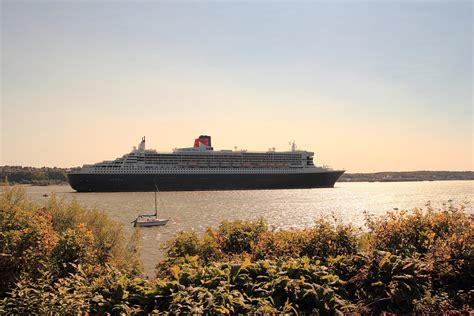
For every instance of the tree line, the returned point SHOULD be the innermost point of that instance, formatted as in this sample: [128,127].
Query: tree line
[32,175]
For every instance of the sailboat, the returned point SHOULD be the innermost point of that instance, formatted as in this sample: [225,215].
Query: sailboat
[147,220]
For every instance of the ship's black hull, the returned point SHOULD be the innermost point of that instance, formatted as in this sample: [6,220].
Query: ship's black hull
[200,182]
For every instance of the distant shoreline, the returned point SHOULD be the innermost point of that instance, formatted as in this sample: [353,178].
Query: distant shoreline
[340,181]
[387,181]
[407,176]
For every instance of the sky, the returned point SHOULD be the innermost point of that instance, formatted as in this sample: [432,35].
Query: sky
[367,85]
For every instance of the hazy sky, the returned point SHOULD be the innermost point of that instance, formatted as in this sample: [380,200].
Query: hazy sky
[368,86]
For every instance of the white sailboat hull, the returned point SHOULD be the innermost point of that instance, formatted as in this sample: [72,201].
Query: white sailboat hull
[149,221]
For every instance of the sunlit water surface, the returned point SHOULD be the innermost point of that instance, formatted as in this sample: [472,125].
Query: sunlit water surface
[280,208]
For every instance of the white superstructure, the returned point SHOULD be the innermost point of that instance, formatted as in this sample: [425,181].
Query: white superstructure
[202,159]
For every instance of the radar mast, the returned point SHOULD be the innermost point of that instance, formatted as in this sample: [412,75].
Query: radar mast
[141,146]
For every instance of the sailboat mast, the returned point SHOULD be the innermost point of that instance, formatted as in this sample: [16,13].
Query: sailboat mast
[156,211]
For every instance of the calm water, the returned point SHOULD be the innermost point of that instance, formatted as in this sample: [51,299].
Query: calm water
[281,208]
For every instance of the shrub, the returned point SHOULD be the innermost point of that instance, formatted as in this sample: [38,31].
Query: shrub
[74,246]
[183,244]
[330,240]
[65,259]
[283,243]
[56,238]
[26,237]
[451,267]
[109,242]
[324,240]
[283,285]
[228,240]
[418,230]
[48,295]
[390,283]
[240,239]
[237,237]
[443,239]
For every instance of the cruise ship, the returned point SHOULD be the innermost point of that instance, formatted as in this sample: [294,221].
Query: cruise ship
[202,168]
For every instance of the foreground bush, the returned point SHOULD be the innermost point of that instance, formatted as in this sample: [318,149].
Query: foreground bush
[419,260]
[264,286]
[240,239]
[443,239]
[27,238]
[418,231]
[55,239]
[71,260]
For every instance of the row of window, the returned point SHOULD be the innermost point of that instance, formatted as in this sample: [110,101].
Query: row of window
[180,171]
[194,168]
[219,162]
[224,159]
[217,156]
[206,163]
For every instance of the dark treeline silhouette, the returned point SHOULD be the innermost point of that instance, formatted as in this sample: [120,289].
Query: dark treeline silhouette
[407,176]
[32,175]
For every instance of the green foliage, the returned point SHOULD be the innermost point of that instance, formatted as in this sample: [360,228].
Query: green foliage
[229,240]
[348,268]
[284,285]
[330,240]
[64,259]
[237,237]
[324,240]
[451,267]
[74,246]
[418,230]
[113,292]
[240,240]
[283,243]
[44,175]
[26,237]
[391,283]
[48,295]
[117,293]
[444,239]
[54,239]
[107,237]
[405,261]
[183,244]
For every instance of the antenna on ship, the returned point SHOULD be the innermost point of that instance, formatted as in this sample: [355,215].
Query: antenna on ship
[293,145]
[156,190]
[141,146]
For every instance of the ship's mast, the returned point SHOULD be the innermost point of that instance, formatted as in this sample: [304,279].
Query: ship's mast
[156,210]
[293,146]
[141,146]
